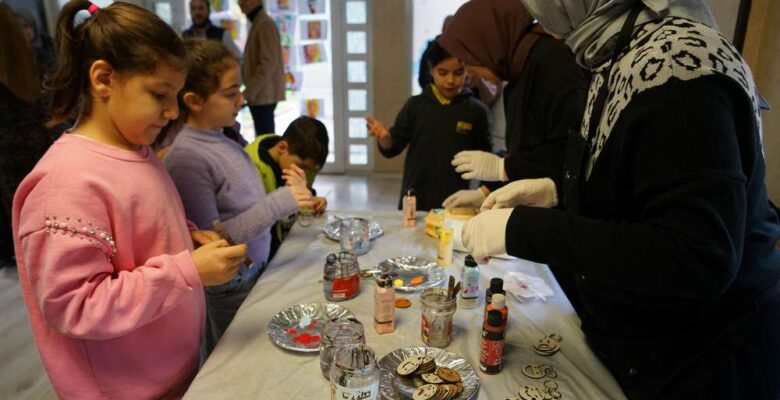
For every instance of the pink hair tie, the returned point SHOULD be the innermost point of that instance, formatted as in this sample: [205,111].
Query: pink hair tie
[92,8]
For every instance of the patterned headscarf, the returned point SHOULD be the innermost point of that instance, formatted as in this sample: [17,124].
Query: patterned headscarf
[591,26]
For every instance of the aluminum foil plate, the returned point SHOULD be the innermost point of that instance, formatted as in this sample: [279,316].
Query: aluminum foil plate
[298,327]
[391,386]
[333,229]
[426,272]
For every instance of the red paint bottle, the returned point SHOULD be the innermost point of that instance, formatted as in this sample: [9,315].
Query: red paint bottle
[491,355]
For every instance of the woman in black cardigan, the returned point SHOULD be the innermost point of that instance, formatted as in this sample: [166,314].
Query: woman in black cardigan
[667,225]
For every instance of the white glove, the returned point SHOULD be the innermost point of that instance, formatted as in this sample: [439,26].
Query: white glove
[479,165]
[465,198]
[526,192]
[485,235]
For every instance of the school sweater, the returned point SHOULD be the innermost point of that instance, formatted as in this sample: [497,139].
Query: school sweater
[115,302]
[434,133]
[217,181]
[673,244]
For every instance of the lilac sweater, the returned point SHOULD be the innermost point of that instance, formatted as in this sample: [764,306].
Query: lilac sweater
[216,180]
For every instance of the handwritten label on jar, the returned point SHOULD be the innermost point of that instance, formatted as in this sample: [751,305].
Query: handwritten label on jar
[338,392]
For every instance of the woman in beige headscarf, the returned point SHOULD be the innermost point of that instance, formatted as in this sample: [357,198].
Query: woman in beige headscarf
[666,223]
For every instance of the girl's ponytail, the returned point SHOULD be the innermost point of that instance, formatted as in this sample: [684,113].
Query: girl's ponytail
[130,38]
[70,80]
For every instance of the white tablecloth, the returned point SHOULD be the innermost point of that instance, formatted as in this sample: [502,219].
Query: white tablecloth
[247,365]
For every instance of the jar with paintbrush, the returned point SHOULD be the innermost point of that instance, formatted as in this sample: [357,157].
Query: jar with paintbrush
[438,307]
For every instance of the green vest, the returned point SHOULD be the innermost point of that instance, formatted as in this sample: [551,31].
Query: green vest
[269,181]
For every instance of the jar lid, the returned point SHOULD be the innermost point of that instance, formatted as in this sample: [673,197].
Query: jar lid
[470,261]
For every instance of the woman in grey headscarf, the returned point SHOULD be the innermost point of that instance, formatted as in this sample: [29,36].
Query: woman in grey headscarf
[666,222]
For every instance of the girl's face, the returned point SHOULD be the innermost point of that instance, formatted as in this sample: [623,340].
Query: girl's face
[140,106]
[221,108]
[449,76]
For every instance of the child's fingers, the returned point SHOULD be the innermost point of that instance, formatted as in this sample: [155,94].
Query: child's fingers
[236,252]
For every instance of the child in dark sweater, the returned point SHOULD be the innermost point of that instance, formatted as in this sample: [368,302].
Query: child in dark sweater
[437,124]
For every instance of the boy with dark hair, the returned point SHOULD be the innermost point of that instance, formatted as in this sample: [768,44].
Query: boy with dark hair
[437,124]
[304,144]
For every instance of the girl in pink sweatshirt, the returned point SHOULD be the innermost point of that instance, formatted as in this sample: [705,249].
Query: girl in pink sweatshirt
[106,263]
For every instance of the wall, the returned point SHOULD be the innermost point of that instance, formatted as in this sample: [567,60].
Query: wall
[762,52]
[390,49]
[725,13]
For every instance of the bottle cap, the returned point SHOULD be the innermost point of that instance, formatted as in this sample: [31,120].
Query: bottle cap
[494,318]
[498,301]
[470,262]
[496,285]
[384,280]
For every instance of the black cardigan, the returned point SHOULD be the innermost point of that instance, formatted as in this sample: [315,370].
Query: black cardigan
[674,242]
[541,107]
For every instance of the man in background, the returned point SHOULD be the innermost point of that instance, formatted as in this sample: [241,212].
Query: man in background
[200,11]
[262,67]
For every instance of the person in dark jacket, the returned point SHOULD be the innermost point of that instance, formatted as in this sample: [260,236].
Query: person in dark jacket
[23,112]
[435,125]
[543,99]
[200,11]
[667,225]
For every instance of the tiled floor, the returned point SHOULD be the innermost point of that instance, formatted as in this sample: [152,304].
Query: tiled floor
[22,375]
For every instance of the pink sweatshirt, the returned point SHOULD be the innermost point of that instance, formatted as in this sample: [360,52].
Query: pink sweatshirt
[115,302]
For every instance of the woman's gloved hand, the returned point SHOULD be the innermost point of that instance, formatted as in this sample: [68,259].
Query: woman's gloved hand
[526,192]
[474,164]
[485,235]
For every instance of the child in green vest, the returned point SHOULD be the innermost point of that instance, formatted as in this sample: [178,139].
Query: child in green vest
[305,145]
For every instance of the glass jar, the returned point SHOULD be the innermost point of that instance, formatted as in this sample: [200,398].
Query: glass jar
[355,236]
[337,334]
[341,276]
[305,216]
[437,312]
[354,374]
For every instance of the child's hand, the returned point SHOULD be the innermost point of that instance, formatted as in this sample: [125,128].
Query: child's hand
[218,263]
[302,196]
[376,129]
[320,204]
[294,176]
[199,237]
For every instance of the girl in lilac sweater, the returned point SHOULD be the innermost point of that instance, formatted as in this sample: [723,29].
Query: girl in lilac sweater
[106,261]
[218,182]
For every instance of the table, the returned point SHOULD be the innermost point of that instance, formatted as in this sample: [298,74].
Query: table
[247,365]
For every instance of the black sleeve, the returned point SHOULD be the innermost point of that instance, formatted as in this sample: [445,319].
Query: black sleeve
[401,131]
[560,94]
[482,139]
[687,189]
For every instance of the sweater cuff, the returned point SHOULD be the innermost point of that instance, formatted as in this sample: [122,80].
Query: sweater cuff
[537,234]
[186,267]
[286,201]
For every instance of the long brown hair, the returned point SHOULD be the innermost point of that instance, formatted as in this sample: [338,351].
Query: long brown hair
[18,68]
[133,40]
[207,61]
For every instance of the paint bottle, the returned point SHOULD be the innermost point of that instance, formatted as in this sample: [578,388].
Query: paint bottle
[410,209]
[498,303]
[496,286]
[469,296]
[491,355]
[444,256]
[384,305]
